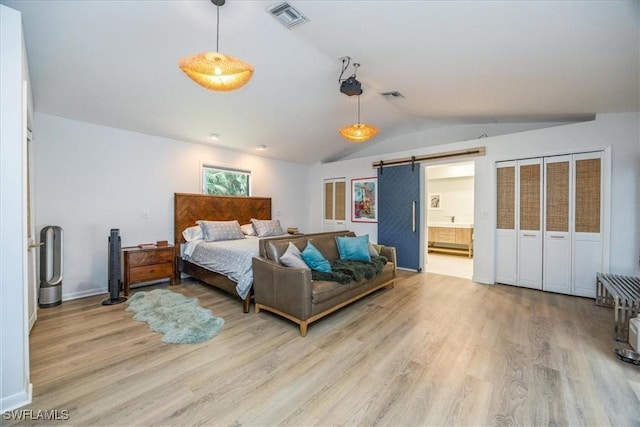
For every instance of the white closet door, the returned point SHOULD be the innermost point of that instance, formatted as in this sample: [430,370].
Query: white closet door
[557,224]
[334,216]
[587,235]
[506,238]
[529,228]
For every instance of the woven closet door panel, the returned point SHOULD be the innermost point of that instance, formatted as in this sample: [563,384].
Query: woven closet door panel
[328,200]
[340,201]
[530,197]
[557,209]
[506,185]
[588,196]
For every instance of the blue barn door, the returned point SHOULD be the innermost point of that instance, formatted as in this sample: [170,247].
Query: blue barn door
[399,213]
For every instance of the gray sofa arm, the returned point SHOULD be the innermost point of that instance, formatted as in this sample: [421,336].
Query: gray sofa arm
[286,289]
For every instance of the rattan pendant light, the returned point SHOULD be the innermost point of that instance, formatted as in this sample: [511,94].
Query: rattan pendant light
[214,70]
[358,132]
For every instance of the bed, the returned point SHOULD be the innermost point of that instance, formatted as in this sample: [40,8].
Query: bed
[189,208]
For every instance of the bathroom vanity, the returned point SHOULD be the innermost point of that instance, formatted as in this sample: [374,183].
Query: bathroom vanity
[449,237]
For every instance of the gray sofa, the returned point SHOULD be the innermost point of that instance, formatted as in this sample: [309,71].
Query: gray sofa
[290,292]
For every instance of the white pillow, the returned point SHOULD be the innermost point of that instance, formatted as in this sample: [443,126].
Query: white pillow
[215,231]
[248,229]
[193,233]
[292,258]
[372,250]
[267,227]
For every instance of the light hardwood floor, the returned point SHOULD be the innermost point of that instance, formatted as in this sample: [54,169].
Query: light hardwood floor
[435,350]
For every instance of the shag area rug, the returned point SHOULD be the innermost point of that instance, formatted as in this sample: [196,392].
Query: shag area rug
[179,318]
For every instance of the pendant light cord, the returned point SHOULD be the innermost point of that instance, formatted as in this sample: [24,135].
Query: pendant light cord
[358,109]
[217,28]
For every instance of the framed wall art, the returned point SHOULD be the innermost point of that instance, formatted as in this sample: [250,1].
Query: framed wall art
[435,202]
[364,197]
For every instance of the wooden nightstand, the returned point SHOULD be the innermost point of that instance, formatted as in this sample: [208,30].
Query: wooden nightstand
[146,264]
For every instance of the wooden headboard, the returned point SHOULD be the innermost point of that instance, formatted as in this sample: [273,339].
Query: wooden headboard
[189,208]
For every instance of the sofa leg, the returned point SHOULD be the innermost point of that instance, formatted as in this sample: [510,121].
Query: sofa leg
[257,307]
[303,329]
[246,303]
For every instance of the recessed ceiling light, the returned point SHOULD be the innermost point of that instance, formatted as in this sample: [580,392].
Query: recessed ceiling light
[262,147]
[214,136]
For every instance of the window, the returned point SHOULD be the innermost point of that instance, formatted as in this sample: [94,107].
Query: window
[225,182]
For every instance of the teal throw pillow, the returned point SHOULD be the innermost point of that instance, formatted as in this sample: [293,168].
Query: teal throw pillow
[314,259]
[354,248]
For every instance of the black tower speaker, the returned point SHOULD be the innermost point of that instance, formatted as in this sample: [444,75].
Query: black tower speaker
[114,269]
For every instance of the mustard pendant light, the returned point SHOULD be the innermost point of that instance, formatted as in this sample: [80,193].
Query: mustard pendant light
[358,132]
[214,70]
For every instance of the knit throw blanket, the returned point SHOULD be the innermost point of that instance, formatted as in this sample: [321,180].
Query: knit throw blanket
[344,271]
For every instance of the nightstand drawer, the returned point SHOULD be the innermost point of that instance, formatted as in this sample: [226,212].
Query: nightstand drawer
[150,257]
[150,272]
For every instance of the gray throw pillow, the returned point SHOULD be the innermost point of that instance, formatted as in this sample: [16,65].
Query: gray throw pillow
[267,227]
[292,258]
[372,250]
[215,231]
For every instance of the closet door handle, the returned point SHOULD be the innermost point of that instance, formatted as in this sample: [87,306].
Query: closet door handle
[413,216]
[557,237]
[528,235]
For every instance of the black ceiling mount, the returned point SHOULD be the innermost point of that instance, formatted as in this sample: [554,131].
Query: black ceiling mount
[218,2]
[349,86]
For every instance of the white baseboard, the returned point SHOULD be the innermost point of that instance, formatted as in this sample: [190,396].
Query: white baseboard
[483,280]
[105,290]
[85,293]
[18,400]
[33,318]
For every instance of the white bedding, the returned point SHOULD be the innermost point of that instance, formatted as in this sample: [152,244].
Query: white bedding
[232,258]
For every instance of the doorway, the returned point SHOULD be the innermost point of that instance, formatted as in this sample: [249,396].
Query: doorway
[449,219]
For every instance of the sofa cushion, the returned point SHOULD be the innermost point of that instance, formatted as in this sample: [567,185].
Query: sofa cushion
[292,257]
[300,240]
[325,294]
[354,248]
[326,245]
[322,290]
[314,259]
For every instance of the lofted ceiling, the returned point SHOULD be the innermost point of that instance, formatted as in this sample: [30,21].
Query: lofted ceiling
[114,63]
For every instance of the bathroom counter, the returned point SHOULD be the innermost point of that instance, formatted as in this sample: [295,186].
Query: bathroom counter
[447,224]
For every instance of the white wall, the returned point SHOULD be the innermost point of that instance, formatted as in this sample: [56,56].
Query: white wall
[620,132]
[637,237]
[15,388]
[92,178]
[456,199]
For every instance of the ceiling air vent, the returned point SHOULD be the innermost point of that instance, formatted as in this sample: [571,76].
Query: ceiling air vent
[287,15]
[392,94]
